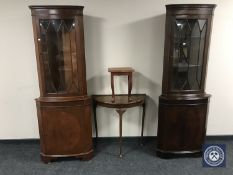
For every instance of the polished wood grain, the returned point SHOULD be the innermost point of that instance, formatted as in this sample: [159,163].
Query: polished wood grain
[121,69]
[64,117]
[183,113]
[121,100]
[182,125]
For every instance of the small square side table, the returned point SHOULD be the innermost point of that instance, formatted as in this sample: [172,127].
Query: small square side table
[121,71]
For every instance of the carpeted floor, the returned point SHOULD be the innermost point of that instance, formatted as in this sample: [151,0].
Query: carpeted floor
[22,158]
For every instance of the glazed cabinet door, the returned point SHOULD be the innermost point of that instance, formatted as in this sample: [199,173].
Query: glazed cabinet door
[57,40]
[187,53]
[59,55]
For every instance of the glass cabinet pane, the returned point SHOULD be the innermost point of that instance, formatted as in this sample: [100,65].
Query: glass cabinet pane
[188,51]
[57,48]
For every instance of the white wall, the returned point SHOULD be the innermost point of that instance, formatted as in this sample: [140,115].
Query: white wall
[117,33]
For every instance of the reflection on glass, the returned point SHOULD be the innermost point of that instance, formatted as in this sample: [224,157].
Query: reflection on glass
[188,50]
[58,47]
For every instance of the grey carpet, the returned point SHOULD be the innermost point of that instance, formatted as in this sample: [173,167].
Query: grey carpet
[22,158]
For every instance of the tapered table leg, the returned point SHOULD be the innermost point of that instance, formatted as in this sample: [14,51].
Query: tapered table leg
[120,112]
[112,87]
[129,85]
[143,118]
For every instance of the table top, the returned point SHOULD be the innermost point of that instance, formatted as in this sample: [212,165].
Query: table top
[121,69]
[121,101]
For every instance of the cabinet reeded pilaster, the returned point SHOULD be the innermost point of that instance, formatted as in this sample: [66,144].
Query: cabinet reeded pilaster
[63,108]
[183,105]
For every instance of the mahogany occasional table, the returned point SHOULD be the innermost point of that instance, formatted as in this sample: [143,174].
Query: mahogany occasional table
[121,71]
[121,103]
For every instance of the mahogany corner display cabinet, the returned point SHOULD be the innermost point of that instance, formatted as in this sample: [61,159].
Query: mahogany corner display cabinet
[183,105]
[63,108]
